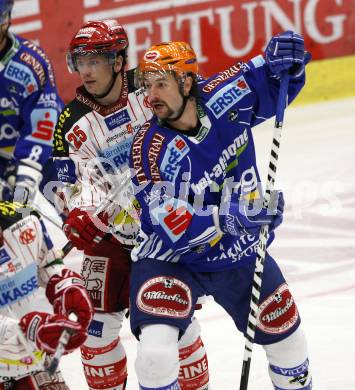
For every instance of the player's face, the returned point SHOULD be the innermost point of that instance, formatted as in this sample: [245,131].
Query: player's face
[95,73]
[163,94]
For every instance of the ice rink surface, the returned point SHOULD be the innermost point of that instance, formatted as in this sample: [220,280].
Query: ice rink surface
[315,247]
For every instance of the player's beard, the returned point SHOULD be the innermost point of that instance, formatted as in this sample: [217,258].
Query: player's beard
[168,114]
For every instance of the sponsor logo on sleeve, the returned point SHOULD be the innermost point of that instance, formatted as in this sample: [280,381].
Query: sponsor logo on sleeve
[165,296]
[176,150]
[117,119]
[174,216]
[223,76]
[35,65]
[43,121]
[137,154]
[153,154]
[22,75]
[228,96]
[278,312]
[23,284]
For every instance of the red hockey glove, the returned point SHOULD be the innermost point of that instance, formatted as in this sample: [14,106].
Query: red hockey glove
[68,295]
[84,229]
[44,330]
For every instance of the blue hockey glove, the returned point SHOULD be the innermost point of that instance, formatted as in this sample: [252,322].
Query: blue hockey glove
[26,186]
[241,220]
[285,52]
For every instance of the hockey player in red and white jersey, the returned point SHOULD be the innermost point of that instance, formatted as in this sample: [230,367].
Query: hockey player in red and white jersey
[28,262]
[92,141]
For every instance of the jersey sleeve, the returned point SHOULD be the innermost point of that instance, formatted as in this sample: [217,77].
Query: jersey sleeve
[40,112]
[247,90]
[82,182]
[49,259]
[167,212]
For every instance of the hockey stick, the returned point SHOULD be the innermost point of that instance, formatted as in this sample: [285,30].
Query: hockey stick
[59,352]
[65,336]
[264,234]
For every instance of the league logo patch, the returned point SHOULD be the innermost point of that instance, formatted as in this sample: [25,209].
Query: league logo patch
[278,313]
[165,296]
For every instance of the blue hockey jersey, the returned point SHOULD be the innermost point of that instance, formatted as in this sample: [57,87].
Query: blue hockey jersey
[29,102]
[180,178]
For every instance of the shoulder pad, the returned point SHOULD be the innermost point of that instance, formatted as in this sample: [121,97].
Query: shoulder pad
[35,66]
[41,56]
[209,85]
[71,113]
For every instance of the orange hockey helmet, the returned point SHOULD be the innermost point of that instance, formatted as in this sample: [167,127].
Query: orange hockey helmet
[176,57]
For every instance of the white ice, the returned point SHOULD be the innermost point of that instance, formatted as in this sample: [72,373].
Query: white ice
[315,248]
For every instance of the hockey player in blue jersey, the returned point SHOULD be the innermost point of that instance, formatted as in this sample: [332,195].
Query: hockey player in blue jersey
[29,109]
[194,172]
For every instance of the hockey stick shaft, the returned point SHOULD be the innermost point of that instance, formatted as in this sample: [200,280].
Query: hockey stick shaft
[264,234]
[59,352]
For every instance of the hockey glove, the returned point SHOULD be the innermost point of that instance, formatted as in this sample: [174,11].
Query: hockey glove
[44,331]
[239,220]
[67,294]
[285,52]
[84,229]
[27,182]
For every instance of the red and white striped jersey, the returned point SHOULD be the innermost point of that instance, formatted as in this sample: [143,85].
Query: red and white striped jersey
[91,151]
[26,253]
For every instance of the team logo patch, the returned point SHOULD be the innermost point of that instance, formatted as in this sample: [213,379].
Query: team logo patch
[94,273]
[27,236]
[278,313]
[165,296]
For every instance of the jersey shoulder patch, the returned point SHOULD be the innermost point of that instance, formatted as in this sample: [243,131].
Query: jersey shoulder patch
[71,114]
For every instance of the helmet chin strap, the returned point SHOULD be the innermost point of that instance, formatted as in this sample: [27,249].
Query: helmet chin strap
[109,89]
